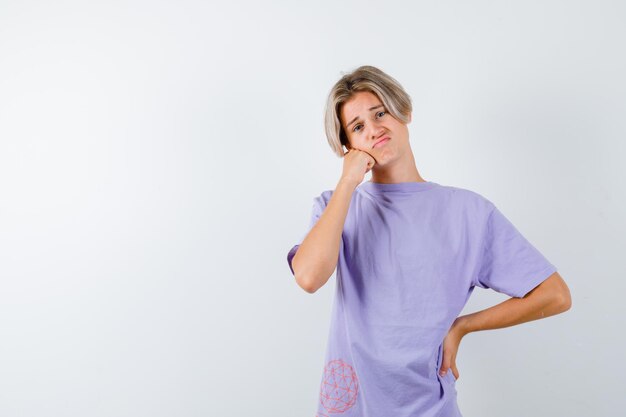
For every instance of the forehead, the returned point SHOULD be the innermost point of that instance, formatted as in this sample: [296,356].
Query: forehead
[358,105]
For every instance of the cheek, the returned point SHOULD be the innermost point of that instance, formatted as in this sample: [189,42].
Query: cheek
[359,142]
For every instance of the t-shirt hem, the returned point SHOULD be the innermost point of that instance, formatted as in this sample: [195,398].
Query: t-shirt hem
[290,255]
[538,279]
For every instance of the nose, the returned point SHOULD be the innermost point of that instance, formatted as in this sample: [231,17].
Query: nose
[376,130]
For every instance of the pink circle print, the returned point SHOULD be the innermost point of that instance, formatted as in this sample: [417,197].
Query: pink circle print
[339,387]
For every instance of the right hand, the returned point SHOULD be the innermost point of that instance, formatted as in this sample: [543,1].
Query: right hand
[356,163]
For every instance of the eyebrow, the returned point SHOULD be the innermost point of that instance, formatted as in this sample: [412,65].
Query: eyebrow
[370,109]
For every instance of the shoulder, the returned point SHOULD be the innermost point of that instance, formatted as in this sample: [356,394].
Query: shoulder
[326,194]
[323,198]
[468,199]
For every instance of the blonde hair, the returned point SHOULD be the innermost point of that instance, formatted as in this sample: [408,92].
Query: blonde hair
[365,78]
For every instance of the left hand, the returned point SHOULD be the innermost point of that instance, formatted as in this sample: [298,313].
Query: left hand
[450,347]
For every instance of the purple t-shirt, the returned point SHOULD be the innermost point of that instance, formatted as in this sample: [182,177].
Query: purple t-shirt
[410,255]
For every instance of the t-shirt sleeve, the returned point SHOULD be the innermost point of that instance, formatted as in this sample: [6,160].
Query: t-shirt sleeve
[319,204]
[510,264]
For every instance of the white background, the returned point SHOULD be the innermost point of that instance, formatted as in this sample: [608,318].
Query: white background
[158,159]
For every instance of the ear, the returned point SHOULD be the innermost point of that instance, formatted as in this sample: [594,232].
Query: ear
[410,117]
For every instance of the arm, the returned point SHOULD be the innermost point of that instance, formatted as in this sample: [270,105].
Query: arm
[316,257]
[549,298]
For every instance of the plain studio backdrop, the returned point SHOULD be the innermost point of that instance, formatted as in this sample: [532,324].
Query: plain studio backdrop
[159,159]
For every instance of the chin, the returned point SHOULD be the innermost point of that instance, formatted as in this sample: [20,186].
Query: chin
[386,156]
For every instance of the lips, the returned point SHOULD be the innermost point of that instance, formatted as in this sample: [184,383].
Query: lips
[381,142]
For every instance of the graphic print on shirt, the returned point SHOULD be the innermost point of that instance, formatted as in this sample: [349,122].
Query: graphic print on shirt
[339,388]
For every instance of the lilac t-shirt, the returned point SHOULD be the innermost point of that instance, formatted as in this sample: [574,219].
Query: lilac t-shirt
[410,255]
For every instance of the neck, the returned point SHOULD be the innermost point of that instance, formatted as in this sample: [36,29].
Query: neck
[400,171]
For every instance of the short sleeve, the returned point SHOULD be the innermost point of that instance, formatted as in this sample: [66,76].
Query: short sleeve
[319,204]
[510,264]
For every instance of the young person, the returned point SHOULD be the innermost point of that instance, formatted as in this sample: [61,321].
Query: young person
[408,254]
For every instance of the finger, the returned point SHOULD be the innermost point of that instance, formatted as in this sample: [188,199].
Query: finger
[446,362]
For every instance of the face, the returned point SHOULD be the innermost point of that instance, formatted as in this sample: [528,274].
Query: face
[366,122]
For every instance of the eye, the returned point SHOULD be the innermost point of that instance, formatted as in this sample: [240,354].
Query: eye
[355,126]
